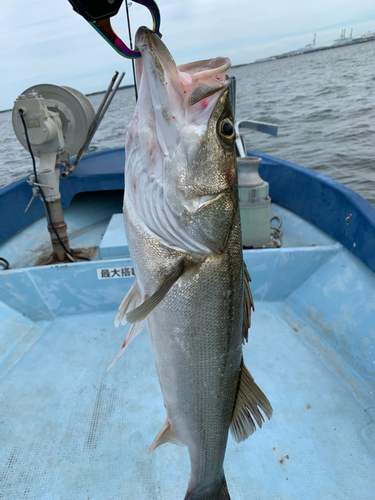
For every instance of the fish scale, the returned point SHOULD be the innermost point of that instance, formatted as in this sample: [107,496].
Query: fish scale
[189,265]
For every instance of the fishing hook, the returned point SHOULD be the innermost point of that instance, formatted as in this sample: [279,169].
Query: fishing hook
[99,18]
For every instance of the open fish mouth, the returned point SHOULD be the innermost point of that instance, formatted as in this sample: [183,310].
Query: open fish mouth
[192,82]
[168,148]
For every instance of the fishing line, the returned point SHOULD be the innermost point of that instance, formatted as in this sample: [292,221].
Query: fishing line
[131,46]
[42,194]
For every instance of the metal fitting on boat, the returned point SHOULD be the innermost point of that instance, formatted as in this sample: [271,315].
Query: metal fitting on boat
[255,203]
[51,121]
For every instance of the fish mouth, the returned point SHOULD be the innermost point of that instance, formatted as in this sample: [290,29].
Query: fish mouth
[193,81]
[155,54]
[175,97]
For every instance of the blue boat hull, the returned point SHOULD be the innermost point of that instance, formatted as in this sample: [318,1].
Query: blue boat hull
[339,211]
[71,430]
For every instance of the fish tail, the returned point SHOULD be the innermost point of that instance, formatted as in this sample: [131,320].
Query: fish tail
[219,492]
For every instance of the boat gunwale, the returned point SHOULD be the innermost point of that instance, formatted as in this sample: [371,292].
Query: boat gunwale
[318,199]
[329,205]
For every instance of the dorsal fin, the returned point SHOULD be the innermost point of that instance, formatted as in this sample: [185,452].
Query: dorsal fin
[165,435]
[248,304]
[249,398]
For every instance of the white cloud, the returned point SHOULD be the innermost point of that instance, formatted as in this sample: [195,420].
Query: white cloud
[44,41]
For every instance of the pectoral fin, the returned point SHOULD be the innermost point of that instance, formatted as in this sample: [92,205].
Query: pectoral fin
[165,435]
[141,312]
[248,305]
[249,398]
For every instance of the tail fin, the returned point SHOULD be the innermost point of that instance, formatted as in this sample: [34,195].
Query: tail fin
[216,492]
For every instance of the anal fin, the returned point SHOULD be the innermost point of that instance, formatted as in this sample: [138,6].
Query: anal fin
[165,435]
[249,399]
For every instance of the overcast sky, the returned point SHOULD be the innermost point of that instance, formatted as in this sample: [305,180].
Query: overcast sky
[45,41]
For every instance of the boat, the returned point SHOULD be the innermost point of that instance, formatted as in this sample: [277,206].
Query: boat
[70,429]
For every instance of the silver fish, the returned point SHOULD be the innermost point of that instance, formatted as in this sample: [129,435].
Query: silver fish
[182,223]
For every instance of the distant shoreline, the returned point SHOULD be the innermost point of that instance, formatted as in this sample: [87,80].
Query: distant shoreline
[355,41]
[87,95]
[300,52]
[103,91]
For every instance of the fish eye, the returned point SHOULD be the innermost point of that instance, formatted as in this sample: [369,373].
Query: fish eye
[227,129]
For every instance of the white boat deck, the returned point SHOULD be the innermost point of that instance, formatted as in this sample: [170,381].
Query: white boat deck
[69,430]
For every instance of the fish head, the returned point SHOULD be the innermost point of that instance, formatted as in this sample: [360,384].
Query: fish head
[181,140]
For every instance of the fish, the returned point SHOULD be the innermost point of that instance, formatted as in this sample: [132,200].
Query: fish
[191,288]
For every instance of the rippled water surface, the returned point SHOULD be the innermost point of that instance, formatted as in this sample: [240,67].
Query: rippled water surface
[324,104]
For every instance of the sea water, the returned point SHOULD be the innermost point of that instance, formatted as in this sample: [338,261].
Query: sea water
[323,103]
